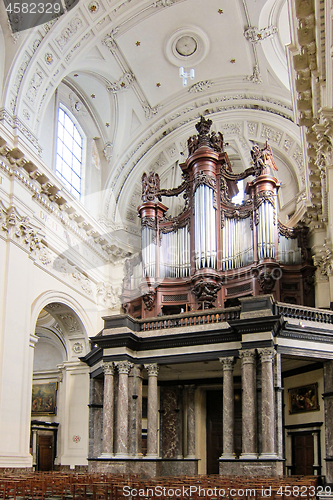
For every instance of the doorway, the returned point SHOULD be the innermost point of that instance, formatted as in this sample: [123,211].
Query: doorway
[45,452]
[303,454]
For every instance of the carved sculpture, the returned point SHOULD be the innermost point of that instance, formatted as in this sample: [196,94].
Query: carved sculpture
[150,186]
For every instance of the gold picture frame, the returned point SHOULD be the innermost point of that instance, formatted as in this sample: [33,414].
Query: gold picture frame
[44,399]
[303,399]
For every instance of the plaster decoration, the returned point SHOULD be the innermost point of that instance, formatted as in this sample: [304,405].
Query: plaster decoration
[200,86]
[35,82]
[255,35]
[48,58]
[255,77]
[288,143]
[107,296]
[164,3]
[83,281]
[45,257]
[67,33]
[77,348]
[323,259]
[108,151]
[56,325]
[298,157]
[172,150]
[20,73]
[76,438]
[26,114]
[77,45]
[70,322]
[77,106]
[271,134]
[20,229]
[124,83]
[149,111]
[252,128]
[110,42]
[93,7]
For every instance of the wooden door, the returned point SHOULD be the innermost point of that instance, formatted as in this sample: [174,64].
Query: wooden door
[45,452]
[303,454]
[214,430]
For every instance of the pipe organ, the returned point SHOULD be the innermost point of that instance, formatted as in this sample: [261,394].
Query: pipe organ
[215,251]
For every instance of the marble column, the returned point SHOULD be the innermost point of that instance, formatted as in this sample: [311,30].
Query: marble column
[316,464]
[328,409]
[249,421]
[228,407]
[152,416]
[124,368]
[267,403]
[190,421]
[108,406]
[135,438]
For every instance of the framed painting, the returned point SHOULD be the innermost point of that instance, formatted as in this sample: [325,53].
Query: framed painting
[44,399]
[303,399]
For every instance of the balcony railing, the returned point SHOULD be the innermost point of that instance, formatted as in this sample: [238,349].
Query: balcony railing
[190,319]
[304,313]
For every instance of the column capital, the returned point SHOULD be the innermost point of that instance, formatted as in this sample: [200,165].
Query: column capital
[267,354]
[227,363]
[152,369]
[124,367]
[247,355]
[108,368]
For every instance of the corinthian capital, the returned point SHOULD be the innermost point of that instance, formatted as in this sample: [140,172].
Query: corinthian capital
[248,356]
[124,367]
[152,369]
[108,368]
[227,363]
[266,354]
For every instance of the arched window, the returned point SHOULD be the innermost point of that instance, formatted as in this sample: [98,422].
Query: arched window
[69,153]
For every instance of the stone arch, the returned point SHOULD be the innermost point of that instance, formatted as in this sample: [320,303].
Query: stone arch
[61,329]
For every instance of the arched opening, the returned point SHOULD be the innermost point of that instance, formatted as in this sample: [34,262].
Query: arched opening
[60,382]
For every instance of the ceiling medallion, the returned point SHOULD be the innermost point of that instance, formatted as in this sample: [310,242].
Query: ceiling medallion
[93,7]
[186,46]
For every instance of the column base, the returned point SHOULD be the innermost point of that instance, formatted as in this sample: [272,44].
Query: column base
[121,456]
[106,455]
[248,456]
[268,456]
[227,456]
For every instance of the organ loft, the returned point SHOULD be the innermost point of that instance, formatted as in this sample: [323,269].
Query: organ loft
[216,251]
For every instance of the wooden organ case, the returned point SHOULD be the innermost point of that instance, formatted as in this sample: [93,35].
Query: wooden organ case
[215,251]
